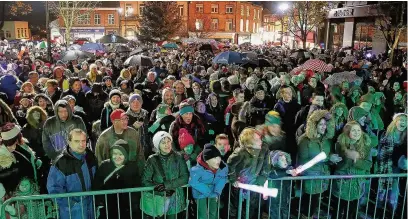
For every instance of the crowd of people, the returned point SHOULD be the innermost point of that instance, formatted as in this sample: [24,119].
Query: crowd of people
[97,124]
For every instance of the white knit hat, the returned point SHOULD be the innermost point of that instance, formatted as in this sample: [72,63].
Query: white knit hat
[158,137]
[11,133]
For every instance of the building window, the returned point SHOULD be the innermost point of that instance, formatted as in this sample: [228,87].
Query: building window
[8,34]
[199,24]
[18,32]
[141,9]
[181,10]
[84,19]
[111,19]
[214,8]
[248,12]
[253,27]
[97,19]
[128,10]
[229,9]
[214,24]
[247,26]
[228,24]
[242,10]
[199,8]
[254,13]
[25,33]
[241,25]
[259,14]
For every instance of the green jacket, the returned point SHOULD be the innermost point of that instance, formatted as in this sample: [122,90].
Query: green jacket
[248,168]
[176,172]
[109,137]
[351,189]
[308,149]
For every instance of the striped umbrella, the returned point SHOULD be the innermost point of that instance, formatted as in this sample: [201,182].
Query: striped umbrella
[317,65]
[296,70]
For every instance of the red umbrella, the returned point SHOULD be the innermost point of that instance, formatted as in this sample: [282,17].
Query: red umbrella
[317,65]
[296,70]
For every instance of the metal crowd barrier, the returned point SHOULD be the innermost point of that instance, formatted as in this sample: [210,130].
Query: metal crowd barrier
[290,201]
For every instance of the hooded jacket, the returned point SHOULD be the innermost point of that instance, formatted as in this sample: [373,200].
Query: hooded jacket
[6,115]
[105,115]
[95,99]
[50,105]
[34,128]
[73,173]
[204,182]
[9,169]
[55,132]
[8,85]
[310,146]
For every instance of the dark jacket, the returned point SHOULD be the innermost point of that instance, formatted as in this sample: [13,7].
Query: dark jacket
[33,129]
[105,115]
[56,96]
[95,99]
[80,99]
[73,173]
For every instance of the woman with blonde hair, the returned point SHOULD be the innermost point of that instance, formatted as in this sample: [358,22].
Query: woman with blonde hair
[392,158]
[340,114]
[27,89]
[94,76]
[354,146]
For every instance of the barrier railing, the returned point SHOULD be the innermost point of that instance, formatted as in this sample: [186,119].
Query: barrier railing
[331,197]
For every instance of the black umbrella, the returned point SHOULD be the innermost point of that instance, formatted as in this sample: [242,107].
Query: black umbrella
[139,60]
[264,63]
[71,55]
[122,49]
[250,57]
[111,38]
[300,54]
[209,47]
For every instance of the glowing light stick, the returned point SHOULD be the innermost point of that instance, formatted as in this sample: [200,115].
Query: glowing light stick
[265,191]
[312,162]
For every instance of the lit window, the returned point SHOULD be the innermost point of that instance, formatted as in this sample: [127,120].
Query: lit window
[181,10]
[242,10]
[199,8]
[18,32]
[214,8]
[111,19]
[228,24]
[141,9]
[199,24]
[248,12]
[254,13]
[247,26]
[241,25]
[97,19]
[214,24]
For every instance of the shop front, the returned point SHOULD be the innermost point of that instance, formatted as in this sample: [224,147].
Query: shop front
[93,33]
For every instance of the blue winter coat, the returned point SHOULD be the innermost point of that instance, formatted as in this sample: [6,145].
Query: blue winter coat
[73,173]
[205,183]
[9,85]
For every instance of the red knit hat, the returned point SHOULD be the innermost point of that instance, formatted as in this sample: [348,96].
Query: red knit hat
[117,114]
[185,138]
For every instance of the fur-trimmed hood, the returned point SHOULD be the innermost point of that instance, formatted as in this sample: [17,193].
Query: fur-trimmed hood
[50,105]
[30,118]
[6,158]
[313,120]
[6,109]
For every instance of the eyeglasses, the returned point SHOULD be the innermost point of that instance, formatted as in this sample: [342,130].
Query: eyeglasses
[125,119]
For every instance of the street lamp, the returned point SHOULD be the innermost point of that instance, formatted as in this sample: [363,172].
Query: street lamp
[283,7]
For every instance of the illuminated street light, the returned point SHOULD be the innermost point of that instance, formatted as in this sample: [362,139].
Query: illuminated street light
[120,10]
[283,7]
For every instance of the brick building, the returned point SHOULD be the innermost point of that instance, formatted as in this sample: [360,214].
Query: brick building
[224,20]
[101,21]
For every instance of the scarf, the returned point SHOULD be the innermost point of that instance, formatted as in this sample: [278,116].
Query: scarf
[114,106]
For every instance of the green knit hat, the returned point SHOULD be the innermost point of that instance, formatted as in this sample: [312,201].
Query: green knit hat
[123,146]
[356,113]
[272,118]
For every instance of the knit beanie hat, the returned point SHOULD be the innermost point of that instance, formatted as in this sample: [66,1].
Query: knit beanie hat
[233,79]
[106,78]
[259,88]
[134,97]
[158,137]
[185,107]
[369,98]
[113,93]
[274,157]
[185,138]
[272,117]
[117,114]
[69,97]
[123,146]
[210,151]
[10,134]
[356,113]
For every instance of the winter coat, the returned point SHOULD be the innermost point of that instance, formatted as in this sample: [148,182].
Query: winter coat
[126,177]
[26,160]
[176,173]
[9,85]
[10,171]
[258,110]
[33,129]
[105,115]
[50,105]
[55,96]
[207,183]
[248,168]
[109,137]
[352,189]
[6,115]
[95,100]
[55,132]
[80,99]
[310,146]
[196,129]
[142,116]
[72,173]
